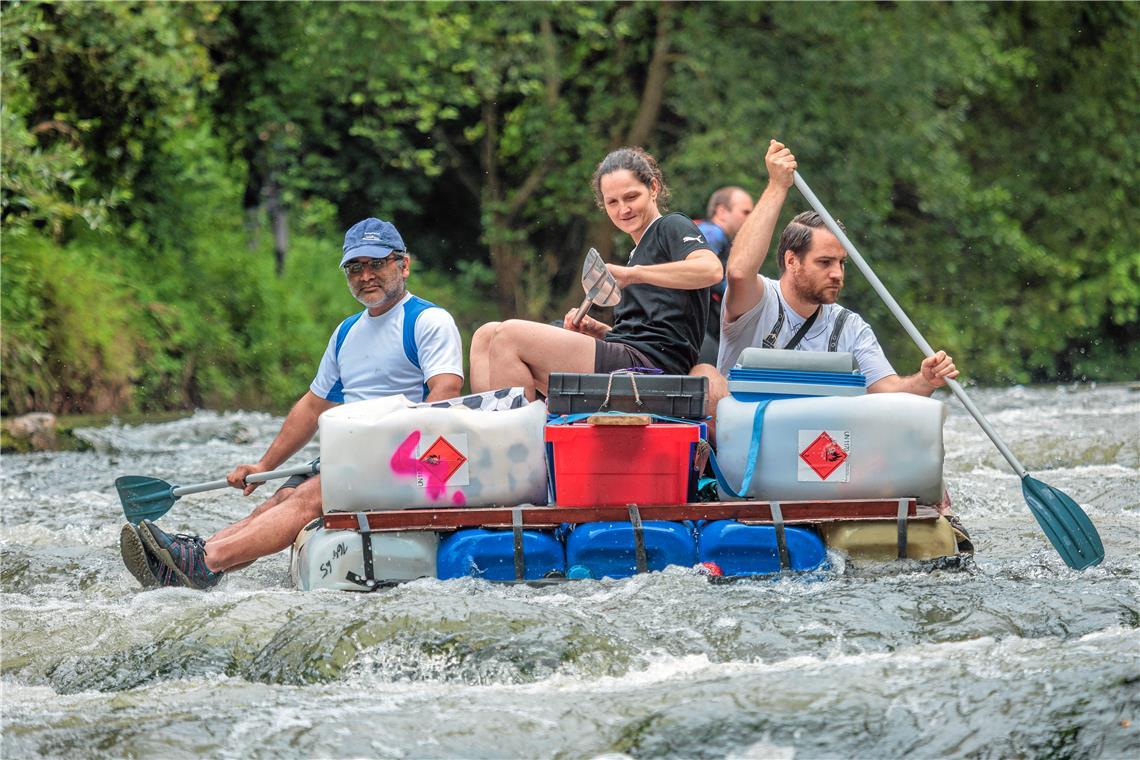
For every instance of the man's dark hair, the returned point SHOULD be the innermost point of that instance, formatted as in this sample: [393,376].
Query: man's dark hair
[796,237]
[639,163]
[722,197]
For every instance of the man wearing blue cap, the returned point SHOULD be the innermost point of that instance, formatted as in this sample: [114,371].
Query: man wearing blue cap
[399,344]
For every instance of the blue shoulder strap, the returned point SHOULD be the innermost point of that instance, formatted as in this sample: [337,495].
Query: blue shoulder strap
[336,393]
[342,332]
[413,308]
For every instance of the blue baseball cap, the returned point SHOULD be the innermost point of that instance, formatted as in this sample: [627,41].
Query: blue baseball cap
[373,238]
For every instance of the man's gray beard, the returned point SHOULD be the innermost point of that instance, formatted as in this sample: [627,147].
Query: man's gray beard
[371,304]
[383,298]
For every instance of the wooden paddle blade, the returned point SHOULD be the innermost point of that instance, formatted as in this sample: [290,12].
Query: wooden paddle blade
[1065,524]
[144,498]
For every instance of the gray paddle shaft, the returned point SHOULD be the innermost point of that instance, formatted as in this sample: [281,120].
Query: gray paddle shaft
[904,320]
[257,477]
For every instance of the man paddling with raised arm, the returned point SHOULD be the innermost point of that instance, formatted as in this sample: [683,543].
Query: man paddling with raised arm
[799,310]
[399,344]
[758,311]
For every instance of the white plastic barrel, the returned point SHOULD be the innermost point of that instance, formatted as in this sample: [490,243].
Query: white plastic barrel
[882,445]
[334,559]
[378,455]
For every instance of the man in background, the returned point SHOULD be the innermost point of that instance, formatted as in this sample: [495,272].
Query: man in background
[727,209]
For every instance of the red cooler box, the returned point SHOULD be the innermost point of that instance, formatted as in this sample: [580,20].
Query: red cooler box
[615,465]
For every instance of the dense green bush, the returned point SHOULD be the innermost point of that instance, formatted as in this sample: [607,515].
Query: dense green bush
[69,342]
[83,332]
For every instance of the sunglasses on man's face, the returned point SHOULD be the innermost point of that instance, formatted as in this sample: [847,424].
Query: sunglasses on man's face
[354,268]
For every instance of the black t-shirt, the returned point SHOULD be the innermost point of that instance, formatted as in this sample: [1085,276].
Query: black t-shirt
[665,324]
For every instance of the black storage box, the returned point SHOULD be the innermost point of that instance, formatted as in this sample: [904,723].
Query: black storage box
[669,395]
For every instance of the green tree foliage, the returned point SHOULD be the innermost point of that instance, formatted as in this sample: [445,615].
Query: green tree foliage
[122,82]
[126,277]
[497,111]
[1063,183]
[980,154]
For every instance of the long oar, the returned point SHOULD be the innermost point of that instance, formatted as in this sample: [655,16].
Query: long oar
[1067,526]
[151,498]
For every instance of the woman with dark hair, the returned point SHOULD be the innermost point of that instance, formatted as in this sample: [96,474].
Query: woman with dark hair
[660,320]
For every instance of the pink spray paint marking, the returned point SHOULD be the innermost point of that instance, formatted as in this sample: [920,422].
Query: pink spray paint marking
[436,472]
[403,463]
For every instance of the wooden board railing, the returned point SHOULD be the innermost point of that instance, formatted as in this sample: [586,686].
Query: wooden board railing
[545,517]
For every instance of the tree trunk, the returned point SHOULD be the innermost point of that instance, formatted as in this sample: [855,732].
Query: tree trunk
[278,222]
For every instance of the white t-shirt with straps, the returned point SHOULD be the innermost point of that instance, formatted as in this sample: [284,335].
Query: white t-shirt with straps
[369,357]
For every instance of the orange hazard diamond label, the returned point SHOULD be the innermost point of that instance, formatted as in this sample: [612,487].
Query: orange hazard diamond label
[441,460]
[823,455]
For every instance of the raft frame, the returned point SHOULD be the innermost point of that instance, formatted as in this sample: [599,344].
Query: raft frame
[529,516]
[904,512]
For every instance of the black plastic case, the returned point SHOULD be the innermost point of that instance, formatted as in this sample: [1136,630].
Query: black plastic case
[670,395]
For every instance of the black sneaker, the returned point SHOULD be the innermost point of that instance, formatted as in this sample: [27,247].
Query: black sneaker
[144,566]
[184,555]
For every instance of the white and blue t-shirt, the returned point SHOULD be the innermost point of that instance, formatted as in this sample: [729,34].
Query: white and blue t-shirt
[855,337]
[397,352]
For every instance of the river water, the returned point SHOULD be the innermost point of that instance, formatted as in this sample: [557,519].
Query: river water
[1013,656]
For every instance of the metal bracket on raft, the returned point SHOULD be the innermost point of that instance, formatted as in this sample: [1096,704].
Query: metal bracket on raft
[781,538]
[520,554]
[369,579]
[638,539]
[902,513]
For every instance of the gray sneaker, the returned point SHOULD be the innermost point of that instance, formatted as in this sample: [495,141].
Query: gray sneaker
[184,555]
[143,565]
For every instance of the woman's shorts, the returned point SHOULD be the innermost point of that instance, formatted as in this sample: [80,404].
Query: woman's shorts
[610,356]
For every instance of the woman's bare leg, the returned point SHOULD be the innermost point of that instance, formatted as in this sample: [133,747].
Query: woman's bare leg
[525,353]
[481,357]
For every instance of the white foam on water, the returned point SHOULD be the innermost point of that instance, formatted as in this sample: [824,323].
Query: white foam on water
[984,657]
[203,428]
[765,749]
[38,534]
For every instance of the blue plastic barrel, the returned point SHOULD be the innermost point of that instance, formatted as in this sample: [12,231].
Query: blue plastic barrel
[490,554]
[751,549]
[607,549]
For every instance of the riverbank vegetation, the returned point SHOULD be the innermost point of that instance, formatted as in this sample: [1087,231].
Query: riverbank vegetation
[177,176]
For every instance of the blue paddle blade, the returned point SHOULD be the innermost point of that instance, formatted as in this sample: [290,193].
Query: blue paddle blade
[1065,524]
[144,498]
